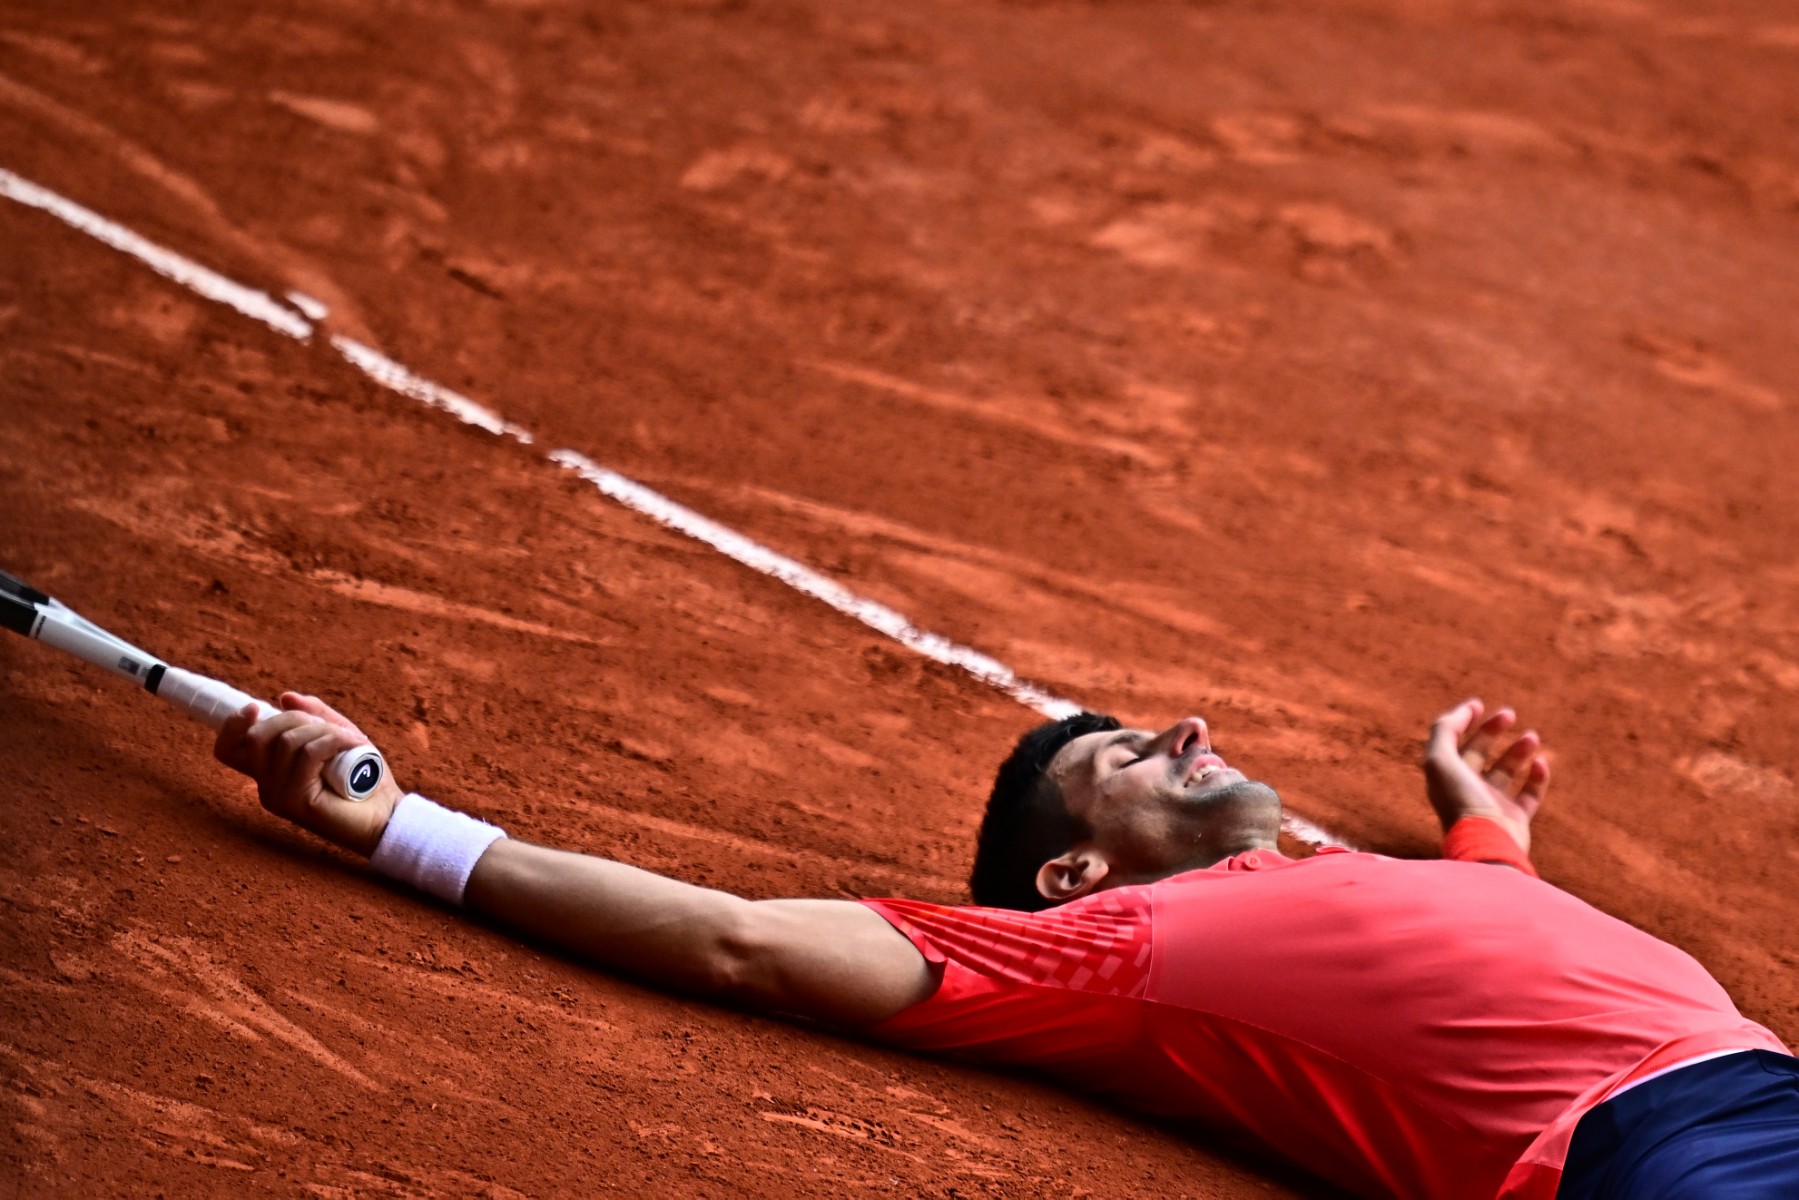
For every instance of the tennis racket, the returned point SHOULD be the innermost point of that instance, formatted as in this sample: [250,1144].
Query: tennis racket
[23,609]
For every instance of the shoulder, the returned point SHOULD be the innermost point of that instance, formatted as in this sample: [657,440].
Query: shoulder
[1087,942]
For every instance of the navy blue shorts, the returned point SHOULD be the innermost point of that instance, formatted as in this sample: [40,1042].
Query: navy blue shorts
[1726,1129]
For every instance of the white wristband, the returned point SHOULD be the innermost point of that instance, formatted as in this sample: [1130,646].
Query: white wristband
[431,847]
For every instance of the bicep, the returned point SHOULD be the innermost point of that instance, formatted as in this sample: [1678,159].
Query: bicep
[835,960]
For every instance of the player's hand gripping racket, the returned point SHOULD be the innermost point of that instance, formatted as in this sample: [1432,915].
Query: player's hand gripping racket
[23,609]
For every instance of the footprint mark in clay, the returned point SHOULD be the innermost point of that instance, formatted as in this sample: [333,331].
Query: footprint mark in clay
[716,169]
[1694,364]
[332,114]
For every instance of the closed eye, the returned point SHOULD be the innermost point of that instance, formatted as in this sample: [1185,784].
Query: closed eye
[1126,750]
[1118,762]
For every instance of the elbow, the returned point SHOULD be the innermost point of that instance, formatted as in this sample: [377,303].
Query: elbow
[734,964]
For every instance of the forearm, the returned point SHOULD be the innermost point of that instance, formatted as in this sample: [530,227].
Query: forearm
[832,960]
[661,930]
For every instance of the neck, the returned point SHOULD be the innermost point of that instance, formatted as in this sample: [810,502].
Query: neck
[1250,820]
[1207,849]
[1217,850]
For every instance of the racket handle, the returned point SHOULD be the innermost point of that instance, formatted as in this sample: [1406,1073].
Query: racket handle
[353,774]
[206,699]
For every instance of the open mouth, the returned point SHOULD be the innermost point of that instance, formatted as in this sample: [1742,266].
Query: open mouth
[1205,767]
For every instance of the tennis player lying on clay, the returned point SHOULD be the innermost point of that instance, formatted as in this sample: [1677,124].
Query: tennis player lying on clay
[1446,1028]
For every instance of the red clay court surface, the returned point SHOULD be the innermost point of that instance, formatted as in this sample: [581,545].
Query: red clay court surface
[1304,366]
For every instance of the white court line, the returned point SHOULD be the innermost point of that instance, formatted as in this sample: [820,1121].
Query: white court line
[315,309]
[390,374]
[383,370]
[802,578]
[187,273]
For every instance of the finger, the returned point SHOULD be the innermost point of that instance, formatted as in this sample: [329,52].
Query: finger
[1483,741]
[1510,766]
[321,750]
[1447,731]
[288,761]
[230,746]
[332,742]
[301,702]
[261,737]
[1536,786]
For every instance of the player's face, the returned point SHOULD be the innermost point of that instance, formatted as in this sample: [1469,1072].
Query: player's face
[1157,799]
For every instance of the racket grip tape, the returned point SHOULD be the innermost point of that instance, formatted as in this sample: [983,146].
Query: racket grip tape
[206,699]
[353,774]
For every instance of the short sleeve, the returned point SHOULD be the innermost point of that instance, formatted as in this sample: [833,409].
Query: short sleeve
[1060,990]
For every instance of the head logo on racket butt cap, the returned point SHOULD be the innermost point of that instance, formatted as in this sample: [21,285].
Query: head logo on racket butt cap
[365,775]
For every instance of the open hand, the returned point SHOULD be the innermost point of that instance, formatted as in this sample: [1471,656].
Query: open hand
[1474,768]
[286,754]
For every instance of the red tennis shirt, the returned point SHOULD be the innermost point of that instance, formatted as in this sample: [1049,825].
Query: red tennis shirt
[1400,1028]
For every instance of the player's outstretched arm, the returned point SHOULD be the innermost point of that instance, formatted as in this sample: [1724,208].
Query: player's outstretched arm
[1475,767]
[833,960]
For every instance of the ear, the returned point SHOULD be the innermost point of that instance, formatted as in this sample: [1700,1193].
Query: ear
[1073,875]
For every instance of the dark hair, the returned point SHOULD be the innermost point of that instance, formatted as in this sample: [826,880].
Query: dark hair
[1027,823]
